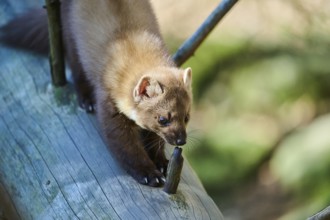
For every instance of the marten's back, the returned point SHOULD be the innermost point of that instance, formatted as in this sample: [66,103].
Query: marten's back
[95,25]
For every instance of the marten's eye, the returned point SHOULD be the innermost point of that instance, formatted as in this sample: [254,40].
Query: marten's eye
[163,121]
[186,119]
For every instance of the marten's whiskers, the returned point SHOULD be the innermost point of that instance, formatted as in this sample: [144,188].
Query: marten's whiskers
[152,144]
[193,140]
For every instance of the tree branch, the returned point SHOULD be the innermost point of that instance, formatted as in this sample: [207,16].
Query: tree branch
[188,48]
[56,43]
[174,171]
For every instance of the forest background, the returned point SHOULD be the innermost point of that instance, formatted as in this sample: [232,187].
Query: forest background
[259,136]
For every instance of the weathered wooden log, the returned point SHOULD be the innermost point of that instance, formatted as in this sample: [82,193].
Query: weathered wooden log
[54,163]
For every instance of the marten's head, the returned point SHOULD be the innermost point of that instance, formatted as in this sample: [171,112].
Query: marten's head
[163,100]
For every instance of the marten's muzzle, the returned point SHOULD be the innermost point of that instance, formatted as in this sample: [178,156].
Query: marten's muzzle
[177,138]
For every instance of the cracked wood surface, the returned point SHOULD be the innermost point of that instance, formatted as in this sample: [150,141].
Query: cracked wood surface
[54,163]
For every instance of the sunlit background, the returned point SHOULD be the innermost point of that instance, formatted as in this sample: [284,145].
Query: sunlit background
[260,130]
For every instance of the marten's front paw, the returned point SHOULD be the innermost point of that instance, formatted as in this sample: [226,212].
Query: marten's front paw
[150,178]
[87,103]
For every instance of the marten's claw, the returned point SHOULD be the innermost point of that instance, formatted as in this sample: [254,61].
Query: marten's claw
[162,166]
[153,179]
[86,102]
[90,108]
[146,180]
[163,179]
[87,105]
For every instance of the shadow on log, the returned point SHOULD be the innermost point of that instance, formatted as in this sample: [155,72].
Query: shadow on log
[54,163]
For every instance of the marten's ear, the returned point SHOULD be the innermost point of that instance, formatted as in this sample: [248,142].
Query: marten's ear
[147,88]
[187,77]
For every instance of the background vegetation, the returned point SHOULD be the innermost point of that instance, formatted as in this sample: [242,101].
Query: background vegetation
[260,135]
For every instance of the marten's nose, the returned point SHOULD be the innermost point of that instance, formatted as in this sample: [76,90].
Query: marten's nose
[180,141]
[177,137]
[181,138]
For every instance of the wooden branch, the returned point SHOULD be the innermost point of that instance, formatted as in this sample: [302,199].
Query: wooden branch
[188,48]
[56,57]
[174,171]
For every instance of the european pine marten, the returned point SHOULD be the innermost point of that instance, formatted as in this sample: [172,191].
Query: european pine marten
[121,67]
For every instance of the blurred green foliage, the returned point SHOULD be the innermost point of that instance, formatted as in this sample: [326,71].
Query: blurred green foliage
[257,103]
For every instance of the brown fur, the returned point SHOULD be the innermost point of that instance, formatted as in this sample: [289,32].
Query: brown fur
[121,66]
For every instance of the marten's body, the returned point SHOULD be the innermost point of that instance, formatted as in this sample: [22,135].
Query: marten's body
[121,66]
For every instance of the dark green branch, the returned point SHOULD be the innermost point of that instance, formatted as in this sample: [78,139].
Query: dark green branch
[56,44]
[174,171]
[188,48]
